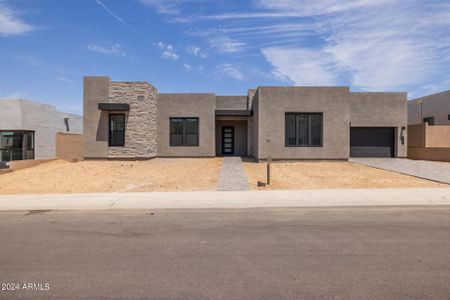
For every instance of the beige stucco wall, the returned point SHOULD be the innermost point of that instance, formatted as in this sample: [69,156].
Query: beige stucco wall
[255,138]
[436,105]
[95,122]
[201,106]
[240,136]
[231,102]
[273,102]
[69,146]
[381,110]
[416,136]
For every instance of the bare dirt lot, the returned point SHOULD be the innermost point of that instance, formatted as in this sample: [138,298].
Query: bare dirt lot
[329,175]
[160,174]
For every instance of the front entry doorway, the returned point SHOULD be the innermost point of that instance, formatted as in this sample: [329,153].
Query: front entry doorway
[228,140]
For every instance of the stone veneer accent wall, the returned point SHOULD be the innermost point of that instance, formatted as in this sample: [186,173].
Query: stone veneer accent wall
[250,94]
[141,120]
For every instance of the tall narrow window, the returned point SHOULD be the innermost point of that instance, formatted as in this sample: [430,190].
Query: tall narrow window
[303,129]
[117,130]
[183,131]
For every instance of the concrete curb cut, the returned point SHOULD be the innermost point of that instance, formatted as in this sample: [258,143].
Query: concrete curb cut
[235,199]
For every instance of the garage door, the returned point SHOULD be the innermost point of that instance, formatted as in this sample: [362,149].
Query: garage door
[371,142]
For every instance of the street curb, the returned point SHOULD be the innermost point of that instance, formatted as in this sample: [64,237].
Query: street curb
[234,199]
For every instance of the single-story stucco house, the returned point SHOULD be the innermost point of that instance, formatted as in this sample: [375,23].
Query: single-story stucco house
[433,109]
[131,120]
[28,129]
[429,127]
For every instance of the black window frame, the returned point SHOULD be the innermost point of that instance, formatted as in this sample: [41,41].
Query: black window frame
[429,120]
[297,115]
[184,133]
[448,117]
[28,153]
[110,144]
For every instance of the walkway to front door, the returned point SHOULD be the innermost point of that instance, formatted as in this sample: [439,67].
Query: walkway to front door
[232,175]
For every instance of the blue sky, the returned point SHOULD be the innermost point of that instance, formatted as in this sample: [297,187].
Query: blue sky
[222,46]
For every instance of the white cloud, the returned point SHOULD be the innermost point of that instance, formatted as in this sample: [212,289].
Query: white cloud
[171,7]
[189,67]
[64,79]
[164,6]
[117,17]
[30,60]
[11,24]
[319,7]
[196,51]
[301,66]
[377,47]
[230,70]
[227,45]
[297,9]
[168,52]
[114,49]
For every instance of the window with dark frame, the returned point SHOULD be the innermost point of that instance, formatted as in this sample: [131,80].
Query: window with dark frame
[16,145]
[448,117]
[429,120]
[303,129]
[183,131]
[117,130]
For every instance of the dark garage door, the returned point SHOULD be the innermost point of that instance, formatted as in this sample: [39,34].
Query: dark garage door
[371,142]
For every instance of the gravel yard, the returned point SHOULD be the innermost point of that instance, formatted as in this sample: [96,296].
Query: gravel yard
[160,174]
[329,175]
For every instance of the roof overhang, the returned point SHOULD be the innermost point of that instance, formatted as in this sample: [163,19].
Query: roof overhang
[114,106]
[234,112]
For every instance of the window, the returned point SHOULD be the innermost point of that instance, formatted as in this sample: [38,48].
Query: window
[429,120]
[66,122]
[303,129]
[16,145]
[448,117]
[183,131]
[117,130]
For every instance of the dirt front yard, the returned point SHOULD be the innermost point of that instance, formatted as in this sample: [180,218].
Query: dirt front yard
[160,174]
[330,175]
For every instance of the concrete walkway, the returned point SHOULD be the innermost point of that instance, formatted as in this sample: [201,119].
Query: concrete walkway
[249,199]
[432,170]
[232,175]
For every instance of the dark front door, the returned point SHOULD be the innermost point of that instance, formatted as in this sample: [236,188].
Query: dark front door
[227,140]
[372,142]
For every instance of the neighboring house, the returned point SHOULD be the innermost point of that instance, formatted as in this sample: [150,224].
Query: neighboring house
[132,120]
[429,127]
[28,129]
[433,109]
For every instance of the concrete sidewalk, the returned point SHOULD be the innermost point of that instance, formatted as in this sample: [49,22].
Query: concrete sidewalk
[249,199]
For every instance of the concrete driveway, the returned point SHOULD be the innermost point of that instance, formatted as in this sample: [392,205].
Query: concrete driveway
[432,170]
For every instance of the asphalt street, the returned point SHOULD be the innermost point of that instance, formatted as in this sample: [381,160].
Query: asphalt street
[285,253]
